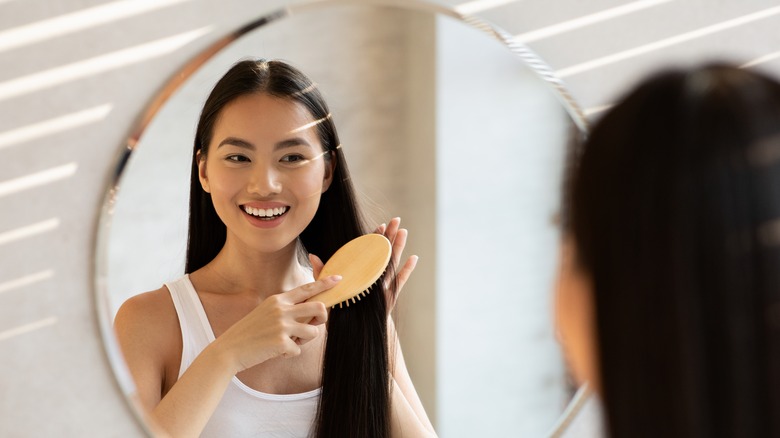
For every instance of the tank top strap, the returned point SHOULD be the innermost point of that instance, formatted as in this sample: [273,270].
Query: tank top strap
[196,332]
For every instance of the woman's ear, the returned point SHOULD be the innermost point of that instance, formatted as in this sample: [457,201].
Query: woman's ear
[330,169]
[204,180]
[575,316]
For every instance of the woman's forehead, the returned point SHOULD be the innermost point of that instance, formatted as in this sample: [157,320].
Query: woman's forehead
[264,118]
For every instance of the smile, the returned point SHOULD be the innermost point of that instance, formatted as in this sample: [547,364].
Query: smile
[266,213]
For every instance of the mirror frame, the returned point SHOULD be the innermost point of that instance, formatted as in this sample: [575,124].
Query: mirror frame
[100,249]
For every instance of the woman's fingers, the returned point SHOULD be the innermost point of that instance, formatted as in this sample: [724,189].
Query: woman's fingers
[392,228]
[397,237]
[303,333]
[308,290]
[314,313]
[398,245]
[406,272]
[278,326]
[306,315]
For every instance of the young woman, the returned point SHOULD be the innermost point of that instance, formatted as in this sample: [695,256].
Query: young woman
[231,349]
[669,301]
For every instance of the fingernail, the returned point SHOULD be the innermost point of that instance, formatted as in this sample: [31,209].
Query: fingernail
[335,277]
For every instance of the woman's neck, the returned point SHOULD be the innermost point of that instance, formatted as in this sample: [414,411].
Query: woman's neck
[237,269]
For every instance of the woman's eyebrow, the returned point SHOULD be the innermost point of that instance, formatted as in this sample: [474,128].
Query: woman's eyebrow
[291,142]
[237,142]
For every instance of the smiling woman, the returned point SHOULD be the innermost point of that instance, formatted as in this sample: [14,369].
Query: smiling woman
[257,364]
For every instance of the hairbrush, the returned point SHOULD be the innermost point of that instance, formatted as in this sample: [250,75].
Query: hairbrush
[360,262]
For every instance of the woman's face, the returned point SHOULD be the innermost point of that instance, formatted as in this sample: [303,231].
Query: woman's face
[575,317]
[265,171]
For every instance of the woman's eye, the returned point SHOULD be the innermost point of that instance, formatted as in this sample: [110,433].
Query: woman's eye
[293,158]
[237,158]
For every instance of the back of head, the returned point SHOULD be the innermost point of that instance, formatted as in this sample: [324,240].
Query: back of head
[674,207]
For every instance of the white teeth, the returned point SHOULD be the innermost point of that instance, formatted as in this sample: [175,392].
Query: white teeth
[262,212]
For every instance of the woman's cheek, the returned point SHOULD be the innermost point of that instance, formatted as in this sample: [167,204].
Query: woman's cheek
[311,186]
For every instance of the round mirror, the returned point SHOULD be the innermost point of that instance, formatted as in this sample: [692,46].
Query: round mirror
[444,123]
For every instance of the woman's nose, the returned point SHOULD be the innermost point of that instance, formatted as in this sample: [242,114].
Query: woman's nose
[265,182]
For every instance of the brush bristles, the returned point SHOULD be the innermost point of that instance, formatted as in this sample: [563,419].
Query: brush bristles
[361,294]
[353,299]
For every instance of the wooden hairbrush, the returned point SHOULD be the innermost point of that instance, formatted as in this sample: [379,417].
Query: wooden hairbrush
[360,262]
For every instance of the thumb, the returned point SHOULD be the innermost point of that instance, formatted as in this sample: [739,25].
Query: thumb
[316,265]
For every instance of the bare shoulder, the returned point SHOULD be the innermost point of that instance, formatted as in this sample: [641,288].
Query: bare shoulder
[147,328]
[149,313]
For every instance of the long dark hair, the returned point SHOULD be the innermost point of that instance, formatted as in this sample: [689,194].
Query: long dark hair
[355,398]
[674,208]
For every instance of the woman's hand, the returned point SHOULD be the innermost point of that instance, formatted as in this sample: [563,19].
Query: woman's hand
[397,237]
[275,328]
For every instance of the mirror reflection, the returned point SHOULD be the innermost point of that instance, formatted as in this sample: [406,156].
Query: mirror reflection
[440,125]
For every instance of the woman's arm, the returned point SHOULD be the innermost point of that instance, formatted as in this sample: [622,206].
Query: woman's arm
[148,333]
[147,329]
[408,414]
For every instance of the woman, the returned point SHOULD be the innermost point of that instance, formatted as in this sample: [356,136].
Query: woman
[669,300]
[232,349]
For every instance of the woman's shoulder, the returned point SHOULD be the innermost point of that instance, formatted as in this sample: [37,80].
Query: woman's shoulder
[149,318]
[147,329]
[148,306]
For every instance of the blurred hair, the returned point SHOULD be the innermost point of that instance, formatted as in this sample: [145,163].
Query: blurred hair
[355,397]
[674,207]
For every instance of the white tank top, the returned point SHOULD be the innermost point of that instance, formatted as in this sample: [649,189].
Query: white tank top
[243,411]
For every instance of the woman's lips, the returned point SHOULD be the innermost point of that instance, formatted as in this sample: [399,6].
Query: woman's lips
[265,217]
[265,213]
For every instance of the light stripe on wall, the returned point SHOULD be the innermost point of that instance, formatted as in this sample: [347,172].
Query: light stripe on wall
[76,21]
[26,280]
[587,20]
[37,179]
[761,59]
[475,6]
[27,328]
[664,43]
[98,64]
[53,126]
[29,230]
